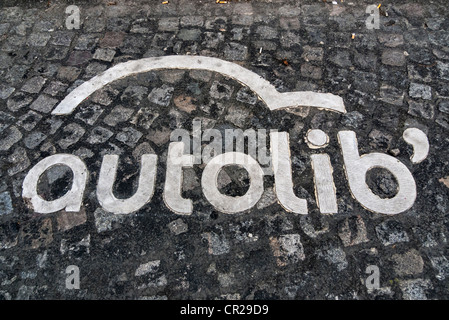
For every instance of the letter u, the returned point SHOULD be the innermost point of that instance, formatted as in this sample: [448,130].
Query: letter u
[144,191]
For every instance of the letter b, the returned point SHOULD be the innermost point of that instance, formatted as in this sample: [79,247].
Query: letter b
[357,166]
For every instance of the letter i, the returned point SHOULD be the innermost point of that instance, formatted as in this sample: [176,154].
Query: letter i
[322,173]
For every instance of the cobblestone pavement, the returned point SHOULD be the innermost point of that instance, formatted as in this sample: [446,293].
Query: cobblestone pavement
[390,79]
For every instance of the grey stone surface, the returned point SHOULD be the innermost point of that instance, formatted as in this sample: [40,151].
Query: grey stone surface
[99,135]
[341,58]
[62,38]
[29,120]
[235,51]
[409,263]
[18,160]
[68,74]
[6,91]
[443,69]
[161,96]
[391,39]
[38,39]
[34,85]
[71,134]
[43,103]
[34,139]
[86,41]
[391,232]
[129,136]
[421,109]
[178,226]
[89,114]
[5,203]
[393,57]
[420,91]
[391,95]
[104,54]
[55,87]
[221,91]
[313,53]
[9,137]
[117,115]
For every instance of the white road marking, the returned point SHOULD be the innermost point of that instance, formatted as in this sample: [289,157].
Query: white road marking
[267,92]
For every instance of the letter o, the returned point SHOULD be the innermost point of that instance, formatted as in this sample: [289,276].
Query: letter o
[228,204]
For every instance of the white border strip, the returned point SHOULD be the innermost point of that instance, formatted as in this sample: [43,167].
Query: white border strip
[267,92]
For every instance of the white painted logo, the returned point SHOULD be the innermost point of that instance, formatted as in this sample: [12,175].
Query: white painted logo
[355,165]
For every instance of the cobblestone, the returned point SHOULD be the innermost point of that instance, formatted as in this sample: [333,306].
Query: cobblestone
[104,54]
[415,289]
[391,95]
[408,263]
[34,85]
[129,136]
[99,135]
[420,91]
[5,203]
[72,133]
[421,109]
[43,103]
[391,232]
[5,92]
[161,96]
[34,139]
[393,57]
[235,51]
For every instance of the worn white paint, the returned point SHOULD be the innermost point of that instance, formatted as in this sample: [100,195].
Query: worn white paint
[282,168]
[324,183]
[267,92]
[316,138]
[143,194]
[72,200]
[228,204]
[420,143]
[176,160]
[357,166]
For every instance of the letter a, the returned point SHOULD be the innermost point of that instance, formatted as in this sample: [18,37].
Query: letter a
[372,22]
[356,168]
[73,20]
[72,200]
[372,282]
[73,279]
